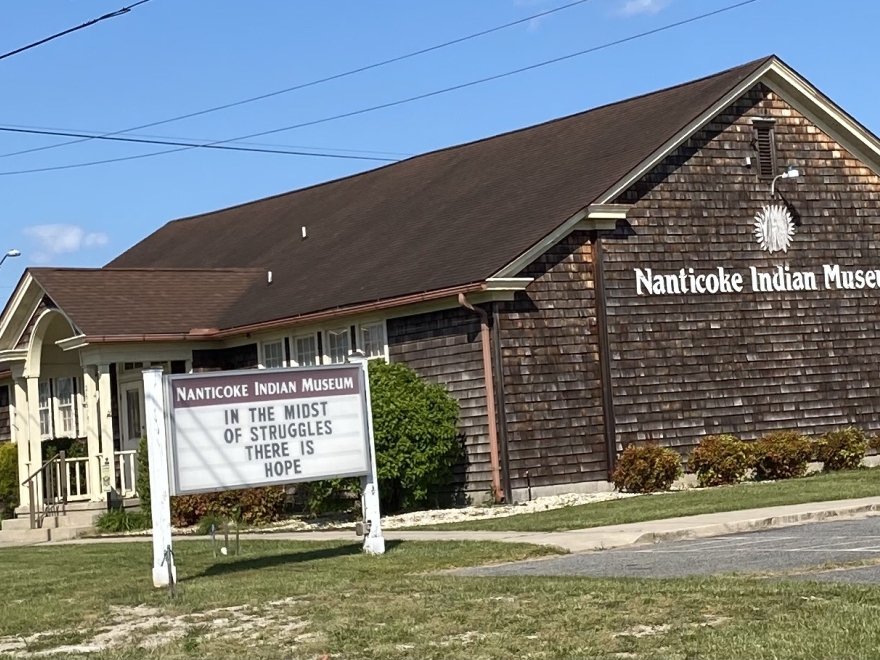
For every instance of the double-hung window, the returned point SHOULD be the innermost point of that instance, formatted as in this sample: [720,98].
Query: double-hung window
[338,345]
[273,354]
[305,350]
[372,340]
[57,405]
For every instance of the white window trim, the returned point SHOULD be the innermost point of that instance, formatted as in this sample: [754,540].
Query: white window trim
[294,362]
[54,408]
[271,342]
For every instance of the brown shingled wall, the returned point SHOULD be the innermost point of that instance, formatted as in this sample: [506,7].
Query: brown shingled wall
[551,371]
[25,338]
[444,347]
[746,363]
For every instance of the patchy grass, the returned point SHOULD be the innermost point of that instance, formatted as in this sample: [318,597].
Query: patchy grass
[311,601]
[749,495]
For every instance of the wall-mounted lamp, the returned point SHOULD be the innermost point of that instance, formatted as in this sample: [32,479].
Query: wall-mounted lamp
[790,173]
[10,253]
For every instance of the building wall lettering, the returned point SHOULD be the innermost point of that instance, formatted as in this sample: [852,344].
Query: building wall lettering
[780,278]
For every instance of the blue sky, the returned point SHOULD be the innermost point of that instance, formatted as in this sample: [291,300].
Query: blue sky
[170,57]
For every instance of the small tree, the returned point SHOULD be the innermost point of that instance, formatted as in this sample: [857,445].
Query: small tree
[143,475]
[416,430]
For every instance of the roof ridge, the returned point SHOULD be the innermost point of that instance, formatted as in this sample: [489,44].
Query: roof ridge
[748,65]
[102,269]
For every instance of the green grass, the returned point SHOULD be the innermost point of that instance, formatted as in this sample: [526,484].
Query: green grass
[323,600]
[815,488]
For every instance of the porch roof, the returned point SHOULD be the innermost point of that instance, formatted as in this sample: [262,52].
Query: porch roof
[146,302]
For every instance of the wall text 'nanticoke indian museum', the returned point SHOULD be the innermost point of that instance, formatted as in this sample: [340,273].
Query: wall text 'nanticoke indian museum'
[637,271]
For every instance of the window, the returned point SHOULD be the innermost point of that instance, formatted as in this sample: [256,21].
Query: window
[45,408]
[273,354]
[305,351]
[338,345]
[765,145]
[64,401]
[372,340]
[58,400]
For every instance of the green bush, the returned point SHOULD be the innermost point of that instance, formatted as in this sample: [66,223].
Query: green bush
[203,527]
[842,449]
[782,455]
[143,474]
[416,430]
[720,459]
[8,479]
[254,506]
[317,498]
[646,469]
[124,521]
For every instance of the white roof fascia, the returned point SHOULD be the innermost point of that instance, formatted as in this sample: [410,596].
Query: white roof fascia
[19,297]
[72,343]
[508,283]
[825,114]
[676,141]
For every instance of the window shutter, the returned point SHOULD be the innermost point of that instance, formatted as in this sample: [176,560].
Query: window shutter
[765,144]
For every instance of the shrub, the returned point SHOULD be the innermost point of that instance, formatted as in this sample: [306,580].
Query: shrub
[782,455]
[254,506]
[720,459]
[317,498]
[842,449]
[8,478]
[416,430]
[123,521]
[143,474]
[646,468]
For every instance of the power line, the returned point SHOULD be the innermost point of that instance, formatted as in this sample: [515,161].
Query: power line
[176,138]
[112,14]
[316,82]
[227,147]
[403,101]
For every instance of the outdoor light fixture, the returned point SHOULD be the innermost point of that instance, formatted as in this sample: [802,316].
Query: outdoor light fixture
[790,173]
[10,253]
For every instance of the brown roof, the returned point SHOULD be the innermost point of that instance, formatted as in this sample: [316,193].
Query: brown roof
[120,301]
[446,218]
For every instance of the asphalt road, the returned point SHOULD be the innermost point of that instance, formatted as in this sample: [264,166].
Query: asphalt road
[802,551]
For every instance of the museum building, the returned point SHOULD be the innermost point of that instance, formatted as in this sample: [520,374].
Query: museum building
[701,259]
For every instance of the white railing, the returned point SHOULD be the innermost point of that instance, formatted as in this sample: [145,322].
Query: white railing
[77,478]
[125,463]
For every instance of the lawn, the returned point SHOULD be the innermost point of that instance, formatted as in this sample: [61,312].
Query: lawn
[749,495]
[314,601]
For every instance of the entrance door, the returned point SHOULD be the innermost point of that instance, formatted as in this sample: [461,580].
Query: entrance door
[131,408]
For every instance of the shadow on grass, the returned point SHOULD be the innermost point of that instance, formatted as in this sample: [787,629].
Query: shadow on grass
[268,561]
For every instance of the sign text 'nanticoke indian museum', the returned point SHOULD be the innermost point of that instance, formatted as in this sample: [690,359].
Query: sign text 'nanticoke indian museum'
[701,259]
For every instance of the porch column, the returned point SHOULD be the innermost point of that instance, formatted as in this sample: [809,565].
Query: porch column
[35,440]
[21,435]
[105,423]
[93,433]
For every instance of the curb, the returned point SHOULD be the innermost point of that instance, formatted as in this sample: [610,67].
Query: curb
[755,524]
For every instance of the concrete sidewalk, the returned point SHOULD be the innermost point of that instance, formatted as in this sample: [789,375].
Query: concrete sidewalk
[596,538]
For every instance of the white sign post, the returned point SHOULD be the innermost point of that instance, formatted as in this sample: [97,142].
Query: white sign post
[244,429]
[160,493]
[374,542]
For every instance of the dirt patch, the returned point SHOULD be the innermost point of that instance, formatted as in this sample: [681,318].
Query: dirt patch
[148,628]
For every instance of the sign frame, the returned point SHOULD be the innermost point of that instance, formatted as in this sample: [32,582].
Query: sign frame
[169,380]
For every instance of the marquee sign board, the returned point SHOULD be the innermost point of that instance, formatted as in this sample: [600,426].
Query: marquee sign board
[242,429]
[239,429]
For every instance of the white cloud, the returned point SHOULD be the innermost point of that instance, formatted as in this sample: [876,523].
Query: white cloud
[635,7]
[53,240]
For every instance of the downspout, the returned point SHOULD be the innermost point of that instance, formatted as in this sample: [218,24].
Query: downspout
[604,356]
[498,368]
[488,378]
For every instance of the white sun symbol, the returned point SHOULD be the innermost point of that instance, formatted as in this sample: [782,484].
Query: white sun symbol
[774,228]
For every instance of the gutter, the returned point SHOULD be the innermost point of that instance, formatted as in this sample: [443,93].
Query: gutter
[203,334]
[489,380]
